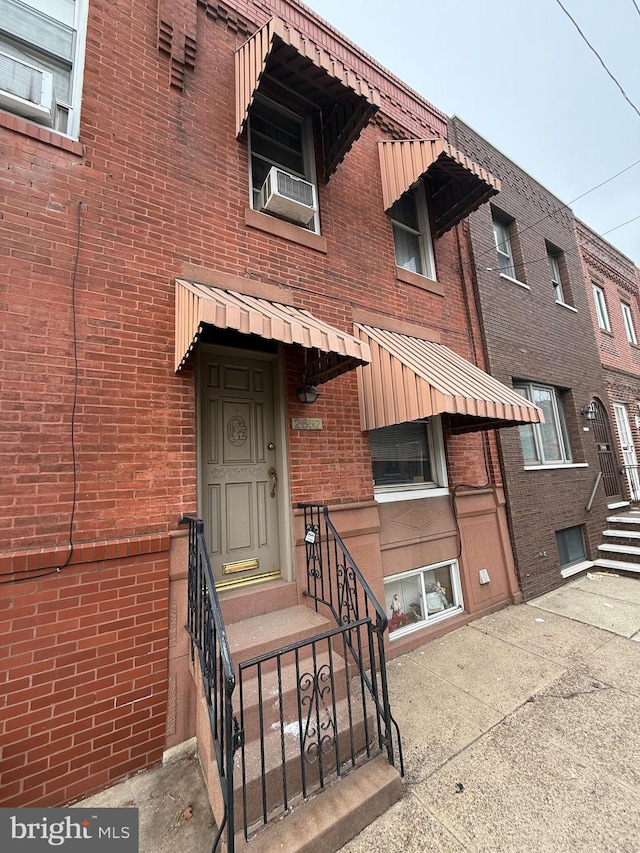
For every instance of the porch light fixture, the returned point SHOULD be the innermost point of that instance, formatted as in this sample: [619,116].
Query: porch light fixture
[589,411]
[307,394]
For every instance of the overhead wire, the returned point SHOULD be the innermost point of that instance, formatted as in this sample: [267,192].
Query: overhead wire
[600,59]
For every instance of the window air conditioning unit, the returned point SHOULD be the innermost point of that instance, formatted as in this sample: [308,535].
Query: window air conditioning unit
[288,196]
[26,90]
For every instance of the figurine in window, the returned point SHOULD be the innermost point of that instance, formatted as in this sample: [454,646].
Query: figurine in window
[396,607]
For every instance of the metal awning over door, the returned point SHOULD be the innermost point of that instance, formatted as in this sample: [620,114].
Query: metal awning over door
[331,352]
[410,378]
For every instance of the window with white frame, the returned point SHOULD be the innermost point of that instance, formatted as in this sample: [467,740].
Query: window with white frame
[504,248]
[422,596]
[553,256]
[601,308]
[41,60]
[629,328]
[407,457]
[547,443]
[283,176]
[412,233]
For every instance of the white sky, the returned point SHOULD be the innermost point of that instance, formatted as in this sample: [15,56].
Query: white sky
[520,74]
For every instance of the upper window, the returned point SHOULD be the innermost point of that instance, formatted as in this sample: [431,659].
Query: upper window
[504,247]
[282,164]
[547,443]
[412,233]
[628,323]
[41,50]
[554,257]
[408,456]
[601,308]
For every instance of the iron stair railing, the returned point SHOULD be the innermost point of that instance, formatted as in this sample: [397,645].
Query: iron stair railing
[208,636]
[335,582]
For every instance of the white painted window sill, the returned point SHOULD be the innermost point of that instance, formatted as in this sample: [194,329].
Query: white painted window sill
[576,568]
[514,281]
[568,307]
[409,494]
[556,465]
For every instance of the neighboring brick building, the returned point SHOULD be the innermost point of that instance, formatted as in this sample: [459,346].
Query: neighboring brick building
[538,337]
[160,208]
[612,287]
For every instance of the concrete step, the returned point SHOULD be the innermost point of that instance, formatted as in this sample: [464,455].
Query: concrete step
[243,603]
[326,822]
[272,695]
[288,757]
[617,566]
[267,632]
[631,553]
[622,534]
[619,505]
[625,519]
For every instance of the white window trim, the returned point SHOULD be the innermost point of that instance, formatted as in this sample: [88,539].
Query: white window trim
[554,465]
[515,281]
[627,319]
[411,492]
[568,307]
[503,245]
[445,614]
[561,423]
[81,15]
[602,314]
[424,236]
[556,278]
[308,155]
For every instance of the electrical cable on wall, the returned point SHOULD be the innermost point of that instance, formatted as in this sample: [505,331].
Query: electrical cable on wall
[74,466]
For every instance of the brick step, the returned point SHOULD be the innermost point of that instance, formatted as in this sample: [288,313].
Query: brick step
[630,552]
[339,730]
[268,632]
[326,822]
[617,566]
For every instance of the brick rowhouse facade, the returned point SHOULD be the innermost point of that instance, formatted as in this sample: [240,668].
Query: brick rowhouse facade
[96,230]
[531,336]
[607,269]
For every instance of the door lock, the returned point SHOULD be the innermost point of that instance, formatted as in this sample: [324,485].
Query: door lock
[271,446]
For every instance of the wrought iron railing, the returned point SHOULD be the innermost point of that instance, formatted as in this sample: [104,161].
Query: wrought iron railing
[336,584]
[208,637]
[632,474]
[305,713]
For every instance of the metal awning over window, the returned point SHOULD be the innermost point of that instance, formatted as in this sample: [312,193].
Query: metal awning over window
[456,185]
[279,53]
[330,351]
[409,378]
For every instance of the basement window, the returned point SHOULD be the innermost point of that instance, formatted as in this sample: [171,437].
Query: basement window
[422,597]
[570,543]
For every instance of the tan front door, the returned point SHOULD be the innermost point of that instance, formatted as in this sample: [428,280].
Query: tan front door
[239,467]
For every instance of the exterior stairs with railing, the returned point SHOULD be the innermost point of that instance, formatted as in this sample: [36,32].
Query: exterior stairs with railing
[620,551]
[295,736]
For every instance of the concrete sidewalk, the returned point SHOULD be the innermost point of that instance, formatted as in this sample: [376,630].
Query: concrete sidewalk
[520,731]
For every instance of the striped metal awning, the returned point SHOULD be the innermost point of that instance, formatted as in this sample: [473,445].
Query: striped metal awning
[409,378]
[278,53]
[331,352]
[456,185]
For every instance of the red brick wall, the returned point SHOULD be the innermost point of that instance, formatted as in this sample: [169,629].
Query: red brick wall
[84,675]
[157,180]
